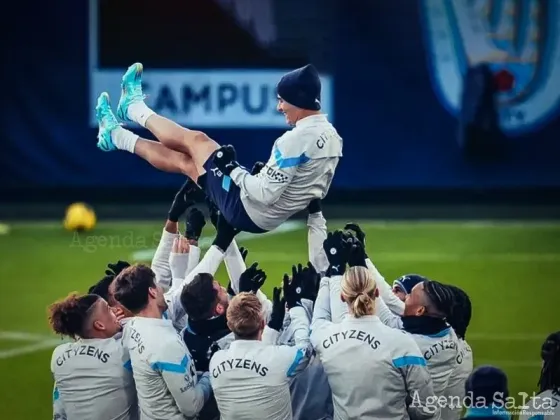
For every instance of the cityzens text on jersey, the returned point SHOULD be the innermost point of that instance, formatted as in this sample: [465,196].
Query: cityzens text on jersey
[83,350]
[352,335]
[439,347]
[247,364]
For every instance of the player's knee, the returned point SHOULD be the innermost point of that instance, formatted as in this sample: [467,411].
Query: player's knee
[199,137]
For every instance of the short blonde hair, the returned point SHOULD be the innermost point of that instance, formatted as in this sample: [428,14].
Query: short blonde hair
[358,289]
[244,315]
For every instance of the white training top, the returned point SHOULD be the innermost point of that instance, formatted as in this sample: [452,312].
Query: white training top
[167,383]
[251,379]
[371,368]
[300,169]
[456,385]
[93,381]
[545,405]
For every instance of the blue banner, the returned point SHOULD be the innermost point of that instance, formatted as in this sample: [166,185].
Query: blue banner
[392,88]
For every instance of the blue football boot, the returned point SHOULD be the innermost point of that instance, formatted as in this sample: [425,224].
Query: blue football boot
[131,90]
[107,123]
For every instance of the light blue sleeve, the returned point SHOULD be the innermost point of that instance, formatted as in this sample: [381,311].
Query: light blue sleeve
[274,178]
[179,373]
[59,411]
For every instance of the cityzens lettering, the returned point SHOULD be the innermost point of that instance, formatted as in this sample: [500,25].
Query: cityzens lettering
[246,364]
[439,347]
[352,335]
[137,338]
[462,354]
[90,351]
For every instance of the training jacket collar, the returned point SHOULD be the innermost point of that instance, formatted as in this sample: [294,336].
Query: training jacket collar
[312,119]
[208,327]
[425,325]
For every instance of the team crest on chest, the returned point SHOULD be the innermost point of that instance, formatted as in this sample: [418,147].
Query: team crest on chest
[518,39]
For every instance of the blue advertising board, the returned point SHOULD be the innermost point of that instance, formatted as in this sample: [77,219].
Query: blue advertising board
[392,89]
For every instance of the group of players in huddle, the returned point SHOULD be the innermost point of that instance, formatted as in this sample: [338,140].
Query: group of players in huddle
[335,341]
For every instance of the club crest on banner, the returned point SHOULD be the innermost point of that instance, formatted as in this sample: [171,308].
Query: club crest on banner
[520,41]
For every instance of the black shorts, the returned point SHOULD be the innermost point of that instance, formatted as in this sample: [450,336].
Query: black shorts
[221,190]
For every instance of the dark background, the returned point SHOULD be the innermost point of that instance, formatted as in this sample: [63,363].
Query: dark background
[400,149]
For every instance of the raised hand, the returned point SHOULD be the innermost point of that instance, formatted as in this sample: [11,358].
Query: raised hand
[278,310]
[252,279]
[195,223]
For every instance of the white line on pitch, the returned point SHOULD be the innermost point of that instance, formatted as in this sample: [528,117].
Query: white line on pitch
[23,336]
[31,348]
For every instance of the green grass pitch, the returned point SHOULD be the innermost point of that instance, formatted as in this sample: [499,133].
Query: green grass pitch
[511,272]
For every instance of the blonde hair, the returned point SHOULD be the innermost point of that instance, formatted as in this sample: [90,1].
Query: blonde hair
[358,289]
[244,315]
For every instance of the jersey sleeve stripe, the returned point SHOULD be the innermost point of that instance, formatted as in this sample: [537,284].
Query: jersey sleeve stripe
[128,365]
[283,162]
[400,362]
[297,360]
[171,367]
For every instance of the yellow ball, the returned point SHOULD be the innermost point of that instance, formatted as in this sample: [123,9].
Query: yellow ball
[79,217]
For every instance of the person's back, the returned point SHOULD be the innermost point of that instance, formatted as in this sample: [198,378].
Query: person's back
[369,384]
[544,405]
[251,379]
[162,370]
[456,385]
[547,403]
[440,351]
[255,376]
[305,158]
[94,381]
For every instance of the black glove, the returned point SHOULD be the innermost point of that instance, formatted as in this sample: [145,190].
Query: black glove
[337,253]
[244,252]
[311,281]
[252,279]
[293,288]
[278,310]
[356,254]
[214,213]
[195,223]
[230,290]
[314,206]
[358,233]
[115,269]
[225,234]
[226,159]
[185,197]
[257,168]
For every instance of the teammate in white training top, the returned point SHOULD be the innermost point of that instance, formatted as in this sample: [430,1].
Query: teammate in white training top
[300,169]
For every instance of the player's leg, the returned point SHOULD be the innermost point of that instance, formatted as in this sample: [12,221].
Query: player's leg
[133,108]
[113,137]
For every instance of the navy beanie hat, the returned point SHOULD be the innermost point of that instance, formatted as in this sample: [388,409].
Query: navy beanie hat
[407,282]
[484,382]
[301,88]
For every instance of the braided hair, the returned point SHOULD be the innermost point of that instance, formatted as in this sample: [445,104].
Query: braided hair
[68,317]
[461,312]
[441,298]
[550,354]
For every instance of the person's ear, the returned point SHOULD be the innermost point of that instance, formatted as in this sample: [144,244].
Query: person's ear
[220,310]
[376,293]
[152,292]
[342,298]
[98,325]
